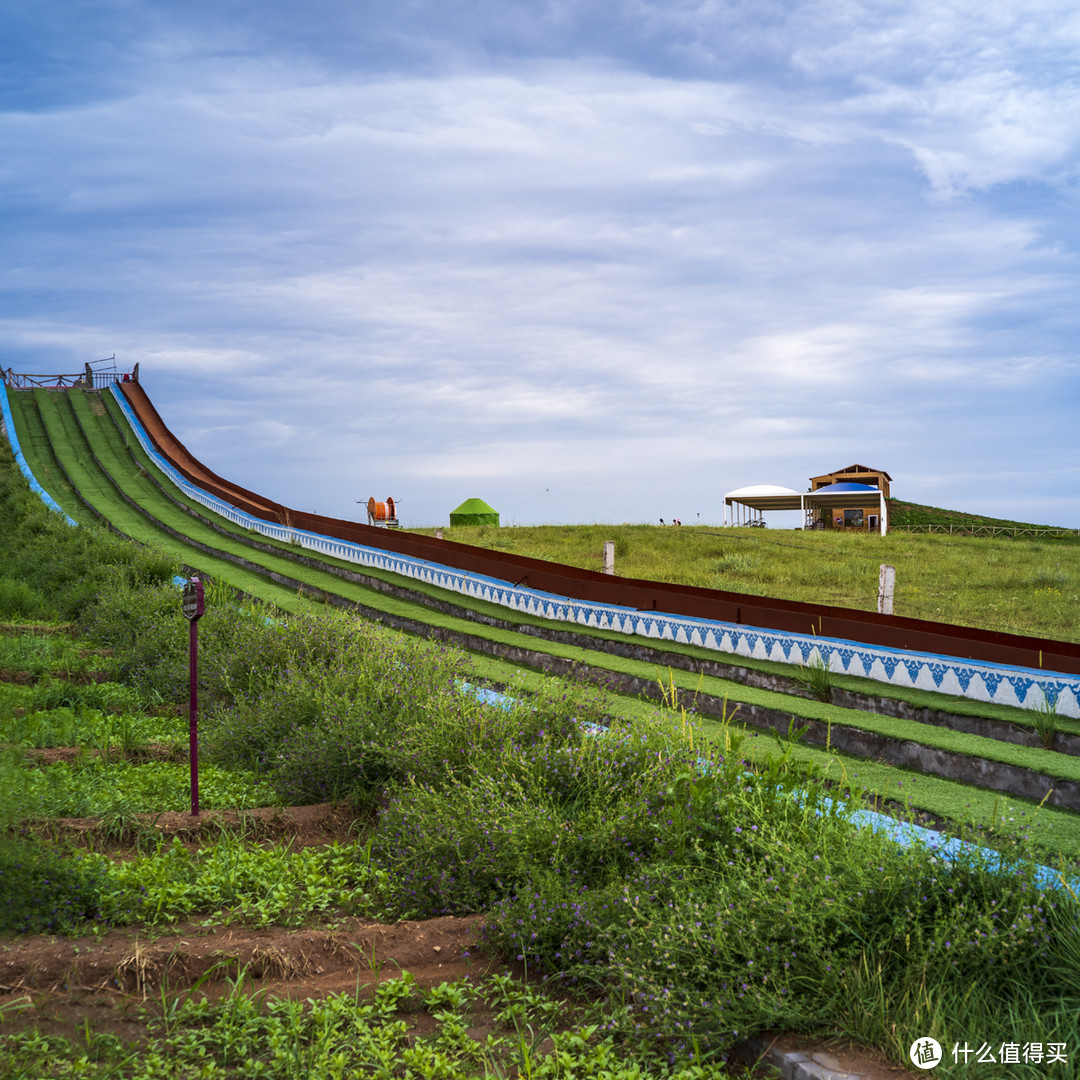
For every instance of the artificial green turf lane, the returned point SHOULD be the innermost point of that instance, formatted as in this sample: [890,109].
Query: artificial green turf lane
[1047,762]
[97,488]
[916,697]
[1051,828]
[73,452]
[1044,761]
[37,450]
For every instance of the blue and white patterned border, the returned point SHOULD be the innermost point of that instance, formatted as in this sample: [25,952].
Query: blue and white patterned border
[998,683]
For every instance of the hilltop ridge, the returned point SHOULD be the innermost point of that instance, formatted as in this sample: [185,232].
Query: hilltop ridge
[903,514]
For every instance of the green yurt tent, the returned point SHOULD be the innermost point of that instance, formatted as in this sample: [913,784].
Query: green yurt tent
[474,512]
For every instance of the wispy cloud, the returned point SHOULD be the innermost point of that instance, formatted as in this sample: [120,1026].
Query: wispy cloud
[653,250]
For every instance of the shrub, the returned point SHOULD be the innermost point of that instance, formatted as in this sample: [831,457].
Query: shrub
[587,808]
[775,912]
[352,705]
[42,892]
[18,600]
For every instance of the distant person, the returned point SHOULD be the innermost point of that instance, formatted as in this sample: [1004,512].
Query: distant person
[661,521]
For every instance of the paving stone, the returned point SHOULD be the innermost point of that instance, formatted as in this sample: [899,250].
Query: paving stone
[828,1061]
[811,1070]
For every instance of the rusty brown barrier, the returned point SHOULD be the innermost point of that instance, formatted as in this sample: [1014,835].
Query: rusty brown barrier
[869,628]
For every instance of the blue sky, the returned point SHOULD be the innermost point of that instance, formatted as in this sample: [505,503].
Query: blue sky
[589,261]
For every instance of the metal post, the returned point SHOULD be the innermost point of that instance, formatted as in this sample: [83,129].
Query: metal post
[193,715]
[193,607]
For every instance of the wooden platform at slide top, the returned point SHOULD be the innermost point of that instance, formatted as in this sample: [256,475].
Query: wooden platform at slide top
[890,631]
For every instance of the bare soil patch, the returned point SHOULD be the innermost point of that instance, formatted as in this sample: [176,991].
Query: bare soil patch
[306,962]
[302,826]
[44,756]
[55,984]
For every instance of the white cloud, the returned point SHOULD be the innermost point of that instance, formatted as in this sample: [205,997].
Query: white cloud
[647,257]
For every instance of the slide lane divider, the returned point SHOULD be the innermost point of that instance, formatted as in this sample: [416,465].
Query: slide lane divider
[1016,686]
[1000,730]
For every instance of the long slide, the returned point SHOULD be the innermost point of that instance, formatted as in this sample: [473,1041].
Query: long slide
[950,705]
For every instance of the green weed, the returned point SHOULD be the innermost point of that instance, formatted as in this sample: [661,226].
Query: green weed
[93,787]
[1044,717]
[232,881]
[815,676]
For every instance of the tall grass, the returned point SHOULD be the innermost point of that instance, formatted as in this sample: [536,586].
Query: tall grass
[68,566]
[19,600]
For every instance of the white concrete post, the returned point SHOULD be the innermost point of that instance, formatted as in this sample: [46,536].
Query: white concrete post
[886,588]
[609,556]
[438,534]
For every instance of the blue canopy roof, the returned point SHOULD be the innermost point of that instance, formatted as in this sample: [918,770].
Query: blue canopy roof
[855,488]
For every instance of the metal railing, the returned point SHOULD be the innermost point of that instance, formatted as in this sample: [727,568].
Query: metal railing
[87,379]
[102,379]
[18,381]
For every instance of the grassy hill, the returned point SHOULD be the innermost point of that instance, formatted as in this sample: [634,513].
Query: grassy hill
[1019,585]
[908,515]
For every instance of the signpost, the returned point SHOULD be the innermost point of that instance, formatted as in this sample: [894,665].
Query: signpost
[194,606]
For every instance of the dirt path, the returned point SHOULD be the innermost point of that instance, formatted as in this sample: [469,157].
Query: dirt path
[315,961]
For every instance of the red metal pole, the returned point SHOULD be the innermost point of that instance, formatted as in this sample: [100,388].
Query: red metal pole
[193,713]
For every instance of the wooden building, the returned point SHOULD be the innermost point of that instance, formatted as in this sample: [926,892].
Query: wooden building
[865,491]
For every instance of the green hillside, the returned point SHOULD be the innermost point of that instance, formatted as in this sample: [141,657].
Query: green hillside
[905,515]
